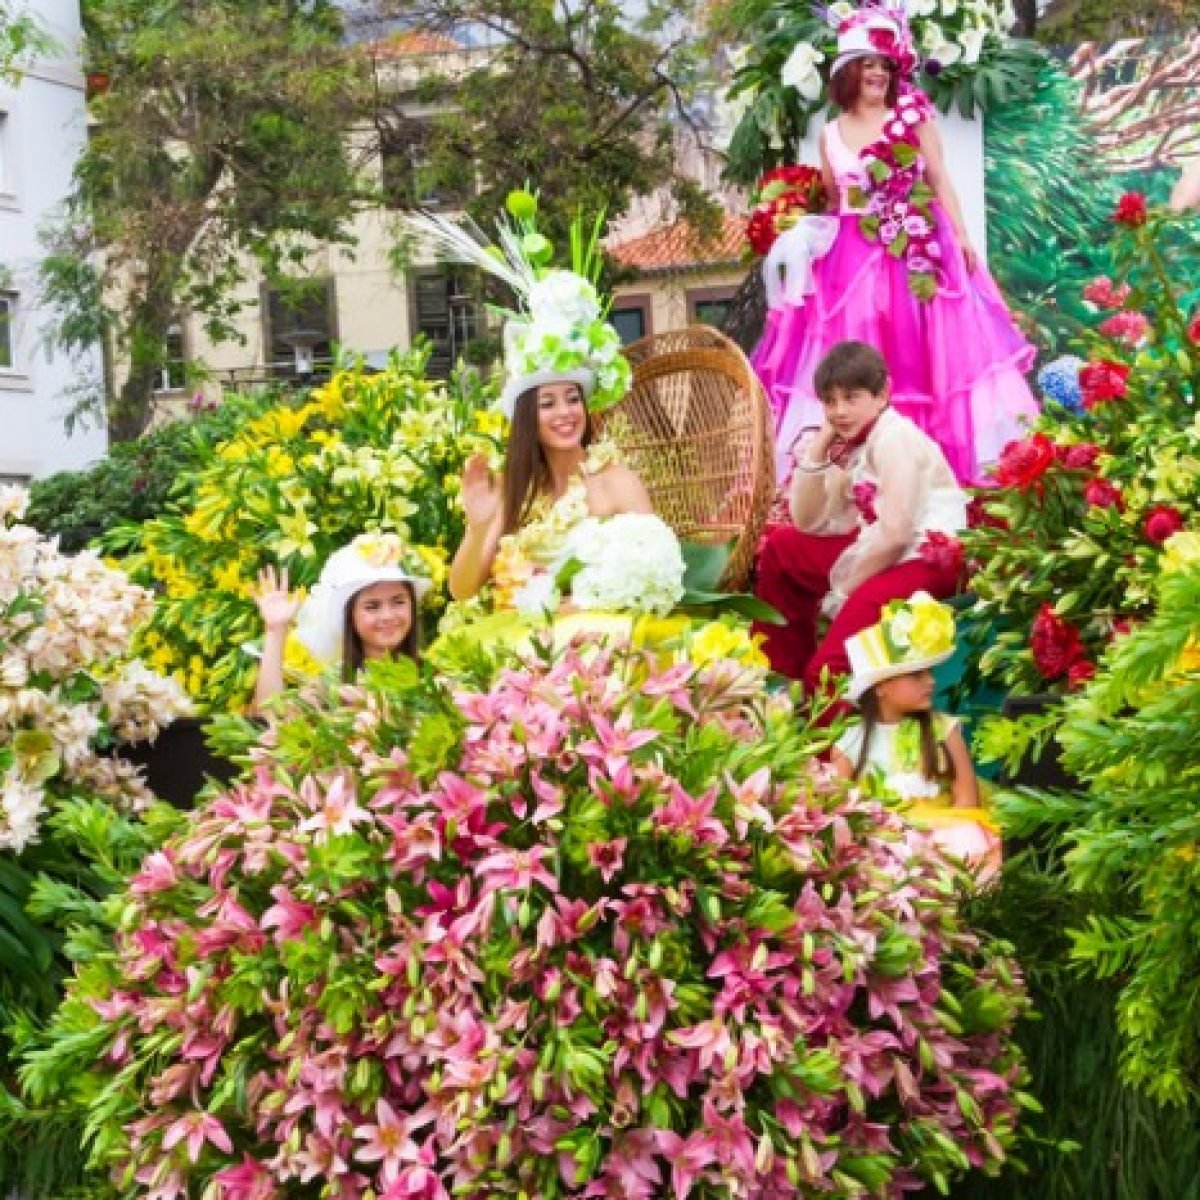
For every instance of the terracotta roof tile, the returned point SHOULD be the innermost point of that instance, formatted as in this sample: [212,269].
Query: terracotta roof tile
[677,247]
[415,41]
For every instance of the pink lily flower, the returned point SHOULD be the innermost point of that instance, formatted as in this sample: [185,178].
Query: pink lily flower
[197,1129]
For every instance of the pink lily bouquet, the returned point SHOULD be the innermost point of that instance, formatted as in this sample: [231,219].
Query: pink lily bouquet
[596,929]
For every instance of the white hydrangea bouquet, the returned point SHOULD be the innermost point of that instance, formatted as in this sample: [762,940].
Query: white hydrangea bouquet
[68,690]
[632,562]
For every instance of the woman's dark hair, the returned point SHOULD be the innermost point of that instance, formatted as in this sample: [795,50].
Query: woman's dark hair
[352,647]
[526,472]
[845,85]
[936,763]
[850,366]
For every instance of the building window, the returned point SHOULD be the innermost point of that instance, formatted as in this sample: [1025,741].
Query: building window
[446,310]
[8,323]
[406,171]
[710,306]
[172,374]
[300,328]
[630,317]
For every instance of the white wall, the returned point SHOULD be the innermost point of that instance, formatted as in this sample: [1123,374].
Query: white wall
[43,130]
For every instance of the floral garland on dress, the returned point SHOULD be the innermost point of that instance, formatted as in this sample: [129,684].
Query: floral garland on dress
[537,544]
[897,201]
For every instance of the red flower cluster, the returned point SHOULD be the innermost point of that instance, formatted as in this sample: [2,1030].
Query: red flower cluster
[1103,381]
[1161,522]
[942,552]
[781,198]
[1022,464]
[1100,493]
[1056,645]
[1129,327]
[1131,209]
[1103,294]
[978,516]
[1081,456]
[1194,329]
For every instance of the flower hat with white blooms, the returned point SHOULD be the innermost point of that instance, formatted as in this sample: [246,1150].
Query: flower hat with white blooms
[558,332]
[912,635]
[875,29]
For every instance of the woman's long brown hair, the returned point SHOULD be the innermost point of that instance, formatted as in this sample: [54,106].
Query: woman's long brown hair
[526,472]
[352,647]
[936,763]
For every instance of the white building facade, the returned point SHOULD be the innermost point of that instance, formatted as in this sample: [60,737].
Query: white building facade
[42,131]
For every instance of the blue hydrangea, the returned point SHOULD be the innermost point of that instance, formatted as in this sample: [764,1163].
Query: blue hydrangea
[1059,381]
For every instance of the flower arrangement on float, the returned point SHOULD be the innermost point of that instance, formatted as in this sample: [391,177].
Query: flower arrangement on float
[782,196]
[595,928]
[967,62]
[1107,475]
[1128,833]
[69,690]
[380,451]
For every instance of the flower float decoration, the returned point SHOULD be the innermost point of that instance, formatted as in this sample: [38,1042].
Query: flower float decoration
[593,929]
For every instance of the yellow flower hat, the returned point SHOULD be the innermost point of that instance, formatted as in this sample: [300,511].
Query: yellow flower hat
[912,635]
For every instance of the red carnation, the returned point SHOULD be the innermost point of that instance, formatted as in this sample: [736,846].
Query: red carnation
[1055,643]
[1022,464]
[1103,381]
[1080,672]
[1128,326]
[1194,329]
[942,552]
[1162,521]
[978,516]
[1099,493]
[1080,457]
[1131,209]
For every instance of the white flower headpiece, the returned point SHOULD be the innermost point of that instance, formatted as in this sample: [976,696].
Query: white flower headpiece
[558,332]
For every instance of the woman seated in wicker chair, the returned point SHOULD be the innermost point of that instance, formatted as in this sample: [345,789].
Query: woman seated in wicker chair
[555,475]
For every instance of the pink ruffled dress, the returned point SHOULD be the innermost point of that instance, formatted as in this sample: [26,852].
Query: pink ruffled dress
[957,361]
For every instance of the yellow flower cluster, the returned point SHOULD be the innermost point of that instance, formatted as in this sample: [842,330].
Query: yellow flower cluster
[293,483]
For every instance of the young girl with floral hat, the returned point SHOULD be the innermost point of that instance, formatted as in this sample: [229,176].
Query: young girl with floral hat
[912,753]
[900,274]
[365,606]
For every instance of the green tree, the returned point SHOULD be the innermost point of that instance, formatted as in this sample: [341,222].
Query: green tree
[20,38]
[1068,21]
[218,144]
[586,102]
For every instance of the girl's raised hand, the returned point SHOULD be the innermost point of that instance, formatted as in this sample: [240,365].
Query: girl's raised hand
[480,492]
[276,603]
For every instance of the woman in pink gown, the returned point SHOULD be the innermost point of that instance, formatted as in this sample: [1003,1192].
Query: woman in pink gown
[901,274]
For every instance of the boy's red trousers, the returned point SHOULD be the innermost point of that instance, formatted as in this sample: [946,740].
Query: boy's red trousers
[793,576]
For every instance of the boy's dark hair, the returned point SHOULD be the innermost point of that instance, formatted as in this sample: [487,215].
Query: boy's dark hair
[849,366]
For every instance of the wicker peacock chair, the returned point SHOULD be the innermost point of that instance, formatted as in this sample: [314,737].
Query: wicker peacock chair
[696,427]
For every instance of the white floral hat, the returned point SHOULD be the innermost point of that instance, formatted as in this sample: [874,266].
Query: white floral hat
[371,558]
[558,332]
[912,634]
[875,30]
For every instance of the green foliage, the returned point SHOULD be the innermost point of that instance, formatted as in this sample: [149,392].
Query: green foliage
[290,484]
[1096,1136]
[1065,22]
[135,479]
[1079,563]
[1046,247]
[22,37]
[585,101]
[217,143]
